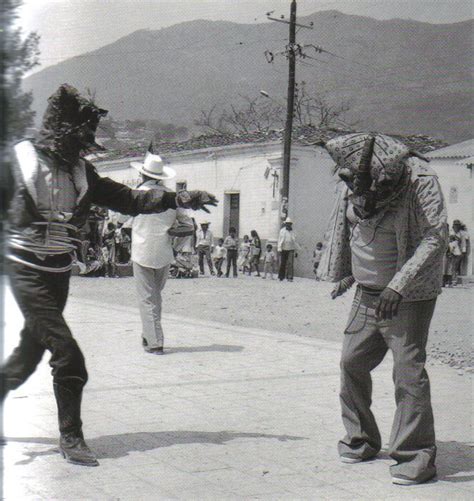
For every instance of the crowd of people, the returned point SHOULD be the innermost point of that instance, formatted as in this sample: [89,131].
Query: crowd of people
[227,257]
[99,256]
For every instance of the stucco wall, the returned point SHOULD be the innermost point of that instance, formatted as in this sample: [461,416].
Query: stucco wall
[311,200]
[220,171]
[457,185]
[242,170]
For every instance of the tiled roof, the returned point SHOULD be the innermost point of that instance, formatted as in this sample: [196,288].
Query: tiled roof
[306,136]
[459,150]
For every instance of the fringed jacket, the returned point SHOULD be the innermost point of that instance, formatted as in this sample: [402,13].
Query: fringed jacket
[421,234]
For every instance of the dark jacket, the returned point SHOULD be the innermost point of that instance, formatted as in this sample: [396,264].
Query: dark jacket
[97,190]
[92,189]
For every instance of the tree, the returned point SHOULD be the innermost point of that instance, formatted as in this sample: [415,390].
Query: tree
[256,114]
[261,114]
[317,110]
[17,55]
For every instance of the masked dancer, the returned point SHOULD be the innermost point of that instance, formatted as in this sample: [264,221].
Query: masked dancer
[55,187]
[388,235]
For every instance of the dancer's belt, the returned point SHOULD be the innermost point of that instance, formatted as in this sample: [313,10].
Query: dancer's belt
[40,241]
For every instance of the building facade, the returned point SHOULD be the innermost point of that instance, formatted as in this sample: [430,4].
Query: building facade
[246,179]
[454,165]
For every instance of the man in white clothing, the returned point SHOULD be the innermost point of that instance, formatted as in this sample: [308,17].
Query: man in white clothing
[287,247]
[152,251]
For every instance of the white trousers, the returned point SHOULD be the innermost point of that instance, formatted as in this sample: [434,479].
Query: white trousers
[150,282]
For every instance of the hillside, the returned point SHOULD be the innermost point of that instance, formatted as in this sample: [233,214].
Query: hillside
[402,76]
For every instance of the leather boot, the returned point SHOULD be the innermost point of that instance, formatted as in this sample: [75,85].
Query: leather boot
[68,393]
[75,450]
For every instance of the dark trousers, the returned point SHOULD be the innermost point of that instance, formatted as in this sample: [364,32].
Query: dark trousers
[366,341]
[41,297]
[287,258]
[205,252]
[254,262]
[218,262]
[231,261]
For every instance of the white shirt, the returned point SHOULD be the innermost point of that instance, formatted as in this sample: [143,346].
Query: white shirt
[219,252]
[151,243]
[287,240]
[204,239]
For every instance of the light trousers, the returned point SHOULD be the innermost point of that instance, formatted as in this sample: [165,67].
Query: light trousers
[366,341]
[149,283]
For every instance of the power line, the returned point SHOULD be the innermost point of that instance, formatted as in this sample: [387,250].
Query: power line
[236,44]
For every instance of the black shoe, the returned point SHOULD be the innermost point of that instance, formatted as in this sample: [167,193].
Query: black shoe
[74,450]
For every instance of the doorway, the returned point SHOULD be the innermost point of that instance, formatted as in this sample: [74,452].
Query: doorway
[231,212]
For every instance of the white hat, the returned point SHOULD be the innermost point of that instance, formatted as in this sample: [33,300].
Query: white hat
[154,167]
[288,220]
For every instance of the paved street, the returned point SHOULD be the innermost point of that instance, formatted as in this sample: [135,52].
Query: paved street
[229,412]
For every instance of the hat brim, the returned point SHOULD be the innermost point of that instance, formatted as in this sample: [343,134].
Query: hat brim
[168,172]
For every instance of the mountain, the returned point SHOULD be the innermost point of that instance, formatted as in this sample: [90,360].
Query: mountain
[400,76]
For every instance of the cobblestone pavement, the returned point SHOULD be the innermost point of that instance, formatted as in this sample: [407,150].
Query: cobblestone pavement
[229,412]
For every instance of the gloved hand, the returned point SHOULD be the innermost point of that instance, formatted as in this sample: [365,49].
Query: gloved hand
[195,200]
[342,287]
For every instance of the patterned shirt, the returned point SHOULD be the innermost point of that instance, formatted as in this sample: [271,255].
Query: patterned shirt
[421,233]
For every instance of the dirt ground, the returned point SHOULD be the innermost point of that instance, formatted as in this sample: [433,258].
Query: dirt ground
[302,308]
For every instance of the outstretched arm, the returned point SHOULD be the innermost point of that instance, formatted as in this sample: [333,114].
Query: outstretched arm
[116,196]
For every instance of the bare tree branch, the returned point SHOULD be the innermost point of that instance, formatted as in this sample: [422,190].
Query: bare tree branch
[260,114]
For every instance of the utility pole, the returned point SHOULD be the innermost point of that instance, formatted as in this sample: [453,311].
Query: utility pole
[285,189]
[291,53]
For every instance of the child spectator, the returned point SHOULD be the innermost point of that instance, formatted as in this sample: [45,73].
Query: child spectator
[244,258]
[231,244]
[219,255]
[269,260]
[318,252]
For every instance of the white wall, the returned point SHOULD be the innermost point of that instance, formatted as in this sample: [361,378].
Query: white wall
[311,200]
[457,185]
[233,169]
[242,169]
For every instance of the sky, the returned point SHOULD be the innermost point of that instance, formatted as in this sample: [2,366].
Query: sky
[72,27]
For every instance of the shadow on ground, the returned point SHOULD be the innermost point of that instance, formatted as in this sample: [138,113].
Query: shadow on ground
[198,349]
[455,458]
[116,446]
